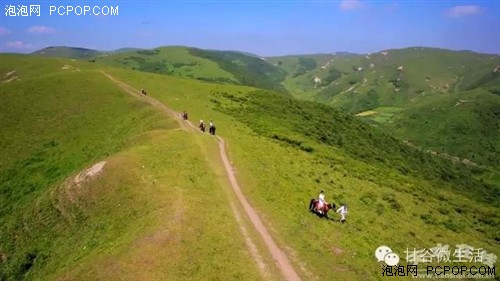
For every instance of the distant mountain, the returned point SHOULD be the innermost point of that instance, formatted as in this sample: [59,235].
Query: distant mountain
[124,50]
[207,65]
[399,89]
[67,52]
[423,94]
[235,51]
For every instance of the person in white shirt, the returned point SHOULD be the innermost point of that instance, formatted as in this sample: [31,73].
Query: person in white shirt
[321,201]
[343,212]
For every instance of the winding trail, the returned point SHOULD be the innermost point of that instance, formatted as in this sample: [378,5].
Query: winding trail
[281,259]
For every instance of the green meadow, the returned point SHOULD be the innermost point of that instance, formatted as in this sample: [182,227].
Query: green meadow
[286,151]
[160,209]
[156,211]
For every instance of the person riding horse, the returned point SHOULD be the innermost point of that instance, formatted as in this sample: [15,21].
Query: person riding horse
[321,200]
[323,211]
[211,129]
[320,206]
[143,92]
[184,115]
[202,126]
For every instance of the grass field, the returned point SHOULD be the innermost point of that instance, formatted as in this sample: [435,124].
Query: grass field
[157,210]
[381,114]
[407,80]
[282,167]
[224,67]
[176,61]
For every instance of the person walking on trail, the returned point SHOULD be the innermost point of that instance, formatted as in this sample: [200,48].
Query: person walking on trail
[343,212]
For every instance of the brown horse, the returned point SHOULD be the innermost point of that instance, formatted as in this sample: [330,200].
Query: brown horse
[202,127]
[323,212]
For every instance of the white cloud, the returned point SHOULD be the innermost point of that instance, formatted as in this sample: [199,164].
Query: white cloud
[4,31]
[350,5]
[462,11]
[19,45]
[40,29]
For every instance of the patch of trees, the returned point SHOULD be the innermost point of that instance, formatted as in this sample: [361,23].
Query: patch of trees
[248,70]
[304,65]
[333,74]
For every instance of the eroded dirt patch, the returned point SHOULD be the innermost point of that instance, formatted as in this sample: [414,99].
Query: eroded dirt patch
[69,67]
[90,173]
[9,76]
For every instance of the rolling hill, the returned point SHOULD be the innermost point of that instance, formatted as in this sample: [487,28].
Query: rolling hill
[399,88]
[83,184]
[226,67]
[67,52]
[160,207]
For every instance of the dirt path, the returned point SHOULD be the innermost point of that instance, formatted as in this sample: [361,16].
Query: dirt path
[281,259]
[348,90]
[279,256]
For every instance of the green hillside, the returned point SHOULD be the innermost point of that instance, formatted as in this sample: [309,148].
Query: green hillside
[422,72]
[248,70]
[57,222]
[466,124]
[285,151]
[160,208]
[206,65]
[67,52]
[175,61]
[399,88]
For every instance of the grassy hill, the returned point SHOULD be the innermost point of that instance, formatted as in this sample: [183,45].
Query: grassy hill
[205,65]
[397,76]
[398,88]
[135,217]
[175,61]
[159,209]
[465,124]
[285,151]
[67,52]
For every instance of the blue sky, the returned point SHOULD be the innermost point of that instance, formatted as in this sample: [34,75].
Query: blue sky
[262,27]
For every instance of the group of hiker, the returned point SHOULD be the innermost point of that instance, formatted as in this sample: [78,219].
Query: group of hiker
[318,206]
[201,126]
[211,127]
[321,207]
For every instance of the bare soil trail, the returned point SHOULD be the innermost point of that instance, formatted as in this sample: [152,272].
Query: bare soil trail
[280,257]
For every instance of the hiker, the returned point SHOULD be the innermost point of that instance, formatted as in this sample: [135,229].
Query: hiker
[343,211]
